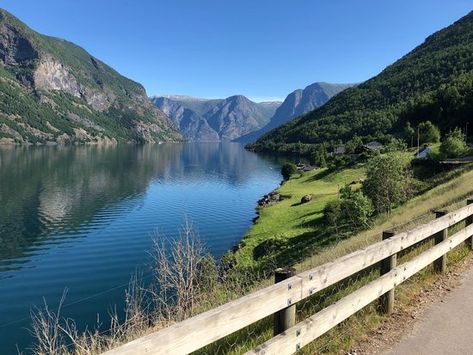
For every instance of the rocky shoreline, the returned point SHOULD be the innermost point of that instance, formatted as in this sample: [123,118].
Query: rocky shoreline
[267,200]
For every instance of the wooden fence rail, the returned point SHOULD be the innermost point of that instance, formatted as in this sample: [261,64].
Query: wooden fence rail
[206,328]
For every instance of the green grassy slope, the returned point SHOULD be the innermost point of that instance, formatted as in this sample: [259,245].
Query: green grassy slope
[288,231]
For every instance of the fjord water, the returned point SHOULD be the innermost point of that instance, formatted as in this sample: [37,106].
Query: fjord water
[83,219]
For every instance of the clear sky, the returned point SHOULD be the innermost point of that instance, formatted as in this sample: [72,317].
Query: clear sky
[258,48]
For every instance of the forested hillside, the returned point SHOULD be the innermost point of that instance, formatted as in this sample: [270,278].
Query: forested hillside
[52,91]
[433,82]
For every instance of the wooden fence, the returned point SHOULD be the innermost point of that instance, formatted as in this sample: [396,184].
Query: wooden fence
[280,299]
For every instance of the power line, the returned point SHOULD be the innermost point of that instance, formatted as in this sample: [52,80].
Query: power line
[81,300]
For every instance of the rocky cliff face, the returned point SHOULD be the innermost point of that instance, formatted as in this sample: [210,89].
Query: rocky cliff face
[56,92]
[236,116]
[296,104]
[218,119]
[192,125]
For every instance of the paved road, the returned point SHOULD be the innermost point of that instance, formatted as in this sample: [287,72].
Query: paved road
[446,328]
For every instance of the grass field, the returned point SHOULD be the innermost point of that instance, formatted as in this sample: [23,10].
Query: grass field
[290,227]
[289,231]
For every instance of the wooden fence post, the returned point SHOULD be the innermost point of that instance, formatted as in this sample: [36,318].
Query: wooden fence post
[387,300]
[285,318]
[440,265]
[469,221]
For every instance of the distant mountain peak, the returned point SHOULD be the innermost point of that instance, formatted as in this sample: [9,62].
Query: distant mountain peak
[299,102]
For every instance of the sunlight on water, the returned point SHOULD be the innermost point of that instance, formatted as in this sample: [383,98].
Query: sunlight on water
[83,218]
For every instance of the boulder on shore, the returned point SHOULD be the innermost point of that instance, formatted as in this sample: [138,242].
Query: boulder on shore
[269,199]
[306,198]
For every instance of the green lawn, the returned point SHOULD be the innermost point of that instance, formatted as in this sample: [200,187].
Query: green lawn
[288,231]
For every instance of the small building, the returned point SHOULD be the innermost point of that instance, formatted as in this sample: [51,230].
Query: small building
[424,153]
[339,150]
[373,146]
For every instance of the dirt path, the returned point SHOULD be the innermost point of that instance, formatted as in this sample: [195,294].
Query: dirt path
[446,326]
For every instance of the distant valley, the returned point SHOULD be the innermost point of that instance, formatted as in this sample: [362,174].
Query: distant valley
[216,119]
[238,118]
[54,92]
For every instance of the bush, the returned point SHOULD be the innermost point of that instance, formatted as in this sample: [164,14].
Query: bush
[409,134]
[428,132]
[453,146]
[319,158]
[332,213]
[356,209]
[287,170]
[354,145]
[339,161]
[395,145]
[388,182]
[351,213]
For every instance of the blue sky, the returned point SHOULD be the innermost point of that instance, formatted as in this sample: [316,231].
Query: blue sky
[259,48]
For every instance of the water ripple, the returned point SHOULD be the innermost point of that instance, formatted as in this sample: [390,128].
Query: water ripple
[84,218]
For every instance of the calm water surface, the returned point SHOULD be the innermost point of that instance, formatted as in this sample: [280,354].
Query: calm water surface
[83,219]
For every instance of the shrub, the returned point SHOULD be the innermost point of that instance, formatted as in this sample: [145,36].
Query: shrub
[453,146]
[395,145]
[356,209]
[319,158]
[354,145]
[428,132]
[388,182]
[332,213]
[287,170]
[409,134]
[351,213]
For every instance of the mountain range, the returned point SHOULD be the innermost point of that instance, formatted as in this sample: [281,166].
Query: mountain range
[237,118]
[216,119]
[52,91]
[433,82]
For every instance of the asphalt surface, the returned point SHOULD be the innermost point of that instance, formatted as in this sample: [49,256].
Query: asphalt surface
[446,327]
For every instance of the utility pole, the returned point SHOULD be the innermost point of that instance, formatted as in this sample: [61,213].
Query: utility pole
[418,141]
[466,132]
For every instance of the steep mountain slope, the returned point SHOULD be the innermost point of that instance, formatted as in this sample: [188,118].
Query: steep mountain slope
[54,91]
[236,116]
[196,104]
[434,81]
[191,124]
[269,108]
[216,119]
[297,103]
